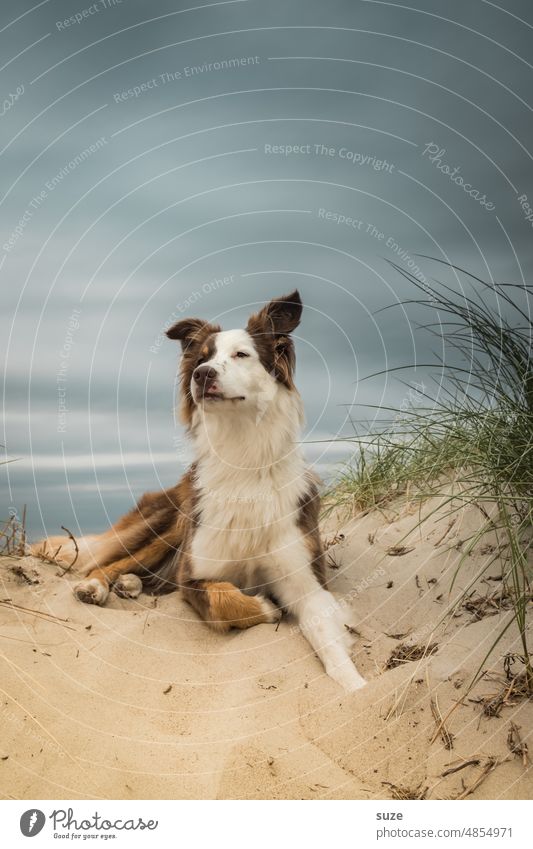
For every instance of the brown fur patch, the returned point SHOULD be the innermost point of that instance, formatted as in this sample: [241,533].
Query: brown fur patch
[308,513]
[148,535]
[198,342]
[223,606]
[144,559]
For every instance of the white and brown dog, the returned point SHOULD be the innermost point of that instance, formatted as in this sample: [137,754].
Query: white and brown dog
[238,535]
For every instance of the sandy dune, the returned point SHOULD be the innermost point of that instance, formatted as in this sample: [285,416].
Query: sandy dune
[140,700]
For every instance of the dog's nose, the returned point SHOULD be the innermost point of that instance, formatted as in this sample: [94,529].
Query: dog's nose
[205,375]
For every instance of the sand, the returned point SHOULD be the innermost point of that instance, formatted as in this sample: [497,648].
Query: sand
[138,699]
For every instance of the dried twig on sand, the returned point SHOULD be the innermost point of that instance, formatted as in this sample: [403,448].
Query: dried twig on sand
[404,654]
[490,764]
[488,605]
[13,535]
[399,792]
[76,550]
[510,693]
[8,534]
[516,745]
[399,550]
[47,557]
[333,540]
[463,765]
[30,577]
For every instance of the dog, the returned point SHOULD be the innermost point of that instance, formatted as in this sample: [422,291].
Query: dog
[238,535]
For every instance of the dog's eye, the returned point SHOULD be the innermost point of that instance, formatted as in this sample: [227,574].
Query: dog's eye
[241,354]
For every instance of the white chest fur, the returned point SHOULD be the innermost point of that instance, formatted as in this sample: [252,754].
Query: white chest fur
[251,476]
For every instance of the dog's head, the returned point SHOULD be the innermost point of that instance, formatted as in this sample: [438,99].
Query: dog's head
[226,369]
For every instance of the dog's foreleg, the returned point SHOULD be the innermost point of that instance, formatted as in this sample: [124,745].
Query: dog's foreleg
[123,574]
[320,621]
[318,617]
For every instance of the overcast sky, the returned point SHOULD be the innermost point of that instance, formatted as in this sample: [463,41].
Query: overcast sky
[197,159]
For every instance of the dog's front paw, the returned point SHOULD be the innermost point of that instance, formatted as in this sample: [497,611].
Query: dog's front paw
[91,591]
[271,612]
[347,676]
[128,586]
[355,682]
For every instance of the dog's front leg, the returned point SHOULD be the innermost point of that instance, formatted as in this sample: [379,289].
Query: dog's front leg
[320,620]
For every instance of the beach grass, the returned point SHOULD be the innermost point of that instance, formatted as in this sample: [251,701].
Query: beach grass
[470,440]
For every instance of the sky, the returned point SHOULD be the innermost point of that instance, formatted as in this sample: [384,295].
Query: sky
[167,159]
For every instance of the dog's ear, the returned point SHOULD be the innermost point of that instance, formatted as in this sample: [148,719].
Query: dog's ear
[281,316]
[284,360]
[270,329]
[189,330]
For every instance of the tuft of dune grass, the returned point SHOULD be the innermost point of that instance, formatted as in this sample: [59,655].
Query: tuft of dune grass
[475,431]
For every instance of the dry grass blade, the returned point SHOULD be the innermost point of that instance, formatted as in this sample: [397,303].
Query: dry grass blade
[445,719]
[445,735]
[451,523]
[397,706]
[330,561]
[22,540]
[49,617]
